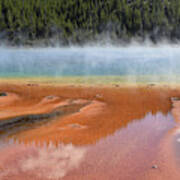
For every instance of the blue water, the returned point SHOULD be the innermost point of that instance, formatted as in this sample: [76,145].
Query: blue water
[89,61]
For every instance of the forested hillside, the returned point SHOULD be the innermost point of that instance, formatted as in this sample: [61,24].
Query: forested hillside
[79,21]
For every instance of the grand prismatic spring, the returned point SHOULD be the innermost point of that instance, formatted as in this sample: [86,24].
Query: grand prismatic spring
[92,113]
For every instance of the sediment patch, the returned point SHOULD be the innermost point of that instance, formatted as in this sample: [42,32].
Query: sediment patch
[24,122]
[98,111]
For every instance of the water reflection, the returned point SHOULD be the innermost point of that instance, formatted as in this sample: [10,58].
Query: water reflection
[129,152]
[126,152]
[41,162]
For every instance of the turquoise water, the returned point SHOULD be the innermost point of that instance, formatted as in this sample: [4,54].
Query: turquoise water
[90,61]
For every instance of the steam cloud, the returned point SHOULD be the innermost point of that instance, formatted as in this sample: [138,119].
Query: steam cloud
[133,61]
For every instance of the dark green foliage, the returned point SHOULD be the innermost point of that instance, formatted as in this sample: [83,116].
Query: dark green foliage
[78,21]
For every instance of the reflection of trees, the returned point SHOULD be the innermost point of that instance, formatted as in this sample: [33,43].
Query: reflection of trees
[123,105]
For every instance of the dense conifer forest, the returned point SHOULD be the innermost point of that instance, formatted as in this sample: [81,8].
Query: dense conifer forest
[80,21]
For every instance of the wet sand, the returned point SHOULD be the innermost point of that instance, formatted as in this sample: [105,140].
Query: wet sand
[97,132]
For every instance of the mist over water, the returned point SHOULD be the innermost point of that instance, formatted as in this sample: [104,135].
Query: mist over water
[91,61]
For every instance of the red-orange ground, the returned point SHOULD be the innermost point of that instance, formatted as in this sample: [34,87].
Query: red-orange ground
[110,109]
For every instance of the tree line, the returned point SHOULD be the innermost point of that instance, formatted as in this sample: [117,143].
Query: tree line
[79,21]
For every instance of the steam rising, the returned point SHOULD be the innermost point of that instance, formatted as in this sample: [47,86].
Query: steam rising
[92,61]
